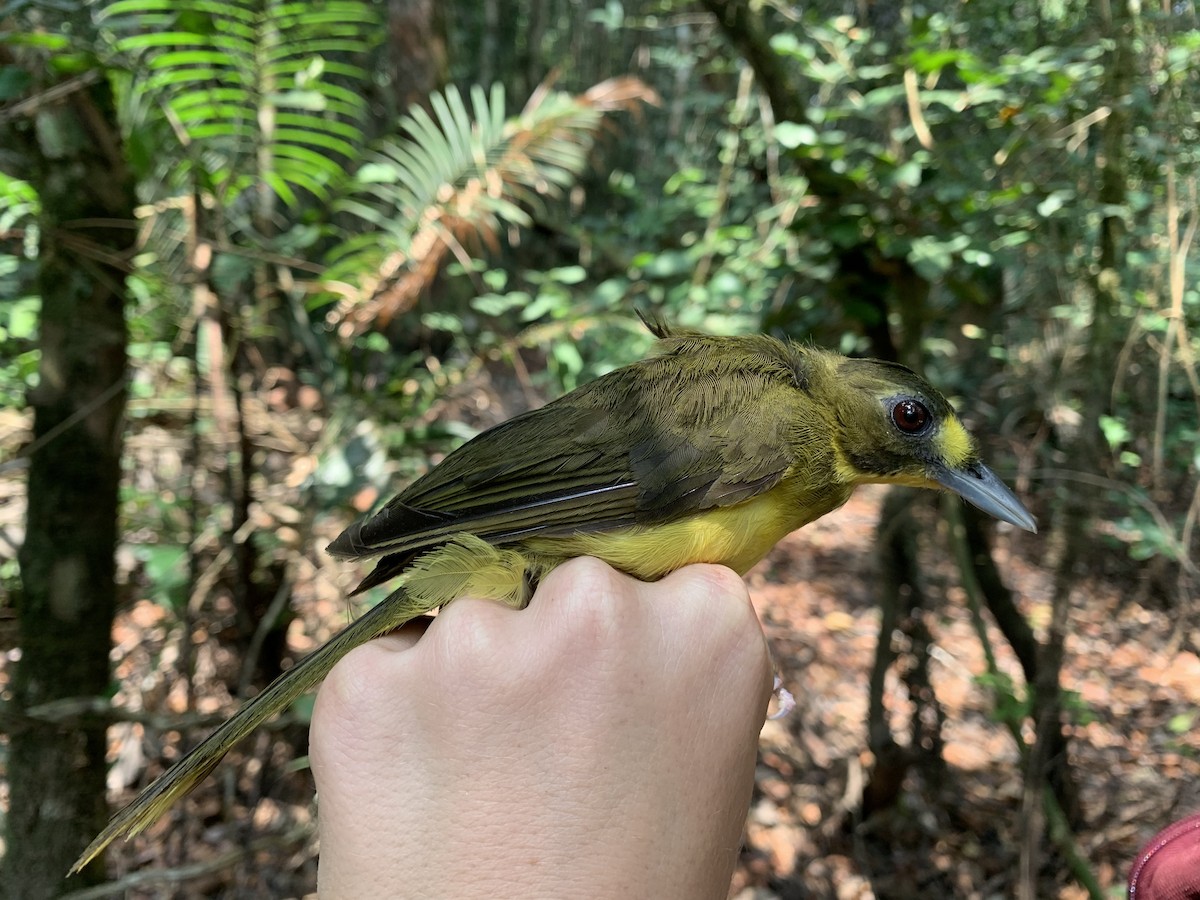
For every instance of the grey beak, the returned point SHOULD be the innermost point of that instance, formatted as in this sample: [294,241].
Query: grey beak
[979,486]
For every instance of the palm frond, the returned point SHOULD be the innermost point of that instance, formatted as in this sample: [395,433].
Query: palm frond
[452,181]
[250,87]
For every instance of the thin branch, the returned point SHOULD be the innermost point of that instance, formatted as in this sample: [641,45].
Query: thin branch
[265,625]
[74,711]
[724,178]
[32,105]
[912,96]
[180,874]
[66,424]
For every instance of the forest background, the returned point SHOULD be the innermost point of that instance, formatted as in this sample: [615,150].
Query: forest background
[262,260]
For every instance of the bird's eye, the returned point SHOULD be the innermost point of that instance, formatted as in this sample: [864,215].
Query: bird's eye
[910,416]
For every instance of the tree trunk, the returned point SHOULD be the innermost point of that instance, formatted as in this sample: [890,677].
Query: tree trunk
[1078,508]
[416,52]
[56,768]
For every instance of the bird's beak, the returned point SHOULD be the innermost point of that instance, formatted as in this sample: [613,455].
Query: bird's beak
[978,485]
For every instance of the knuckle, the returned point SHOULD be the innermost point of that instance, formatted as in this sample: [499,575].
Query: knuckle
[712,591]
[466,628]
[721,583]
[348,701]
[352,684]
[587,605]
[719,601]
[582,574]
[586,590]
[477,653]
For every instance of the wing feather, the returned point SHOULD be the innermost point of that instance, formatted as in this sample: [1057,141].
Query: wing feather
[682,432]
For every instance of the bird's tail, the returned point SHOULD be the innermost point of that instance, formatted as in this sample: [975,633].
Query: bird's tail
[177,781]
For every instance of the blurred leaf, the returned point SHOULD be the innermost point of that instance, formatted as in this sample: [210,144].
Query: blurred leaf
[791,135]
[1182,723]
[167,574]
[242,80]
[568,274]
[499,304]
[1116,432]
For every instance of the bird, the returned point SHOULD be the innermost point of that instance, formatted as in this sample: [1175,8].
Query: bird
[709,450]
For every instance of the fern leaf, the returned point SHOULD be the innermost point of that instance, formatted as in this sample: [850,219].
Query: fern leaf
[459,178]
[222,71]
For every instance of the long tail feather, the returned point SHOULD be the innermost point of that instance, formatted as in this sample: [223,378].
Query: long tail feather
[152,802]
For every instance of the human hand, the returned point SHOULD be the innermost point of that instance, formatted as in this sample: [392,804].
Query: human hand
[600,743]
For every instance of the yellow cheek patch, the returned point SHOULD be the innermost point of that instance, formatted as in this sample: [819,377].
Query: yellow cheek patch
[953,444]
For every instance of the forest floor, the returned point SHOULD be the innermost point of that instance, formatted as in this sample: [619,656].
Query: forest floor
[1135,751]
[248,831]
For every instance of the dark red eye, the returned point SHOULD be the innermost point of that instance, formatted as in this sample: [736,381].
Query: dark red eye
[910,416]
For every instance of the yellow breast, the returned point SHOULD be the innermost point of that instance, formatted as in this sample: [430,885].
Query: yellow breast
[736,536]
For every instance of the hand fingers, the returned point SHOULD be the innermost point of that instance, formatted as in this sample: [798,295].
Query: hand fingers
[700,613]
[406,636]
[362,678]
[715,598]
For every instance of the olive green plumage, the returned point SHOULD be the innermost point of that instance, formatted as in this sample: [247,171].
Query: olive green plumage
[711,450]
[706,424]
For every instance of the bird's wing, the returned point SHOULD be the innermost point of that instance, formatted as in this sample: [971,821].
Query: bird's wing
[638,446]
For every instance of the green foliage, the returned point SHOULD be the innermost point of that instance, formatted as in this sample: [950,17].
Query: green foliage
[166,574]
[968,147]
[18,354]
[452,181]
[971,149]
[18,314]
[1182,723]
[255,92]
[1009,706]
[18,207]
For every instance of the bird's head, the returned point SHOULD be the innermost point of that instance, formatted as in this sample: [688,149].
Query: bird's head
[893,427]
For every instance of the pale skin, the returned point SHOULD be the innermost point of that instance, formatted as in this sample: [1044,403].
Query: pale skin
[599,744]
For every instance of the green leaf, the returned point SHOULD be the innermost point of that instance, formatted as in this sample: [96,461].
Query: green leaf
[932,258]
[312,101]
[541,305]
[785,44]
[668,264]
[1181,723]
[499,304]
[567,274]
[40,40]
[440,321]
[19,318]
[1115,431]
[567,355]
[908,174]
[1052,203]
[929,61]
[793,135]
[375,173]
[166,573]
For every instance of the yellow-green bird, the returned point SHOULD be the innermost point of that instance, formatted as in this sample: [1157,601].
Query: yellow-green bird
[710,450]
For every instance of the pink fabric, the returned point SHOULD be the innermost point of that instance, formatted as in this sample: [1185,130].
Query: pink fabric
[1168,868]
